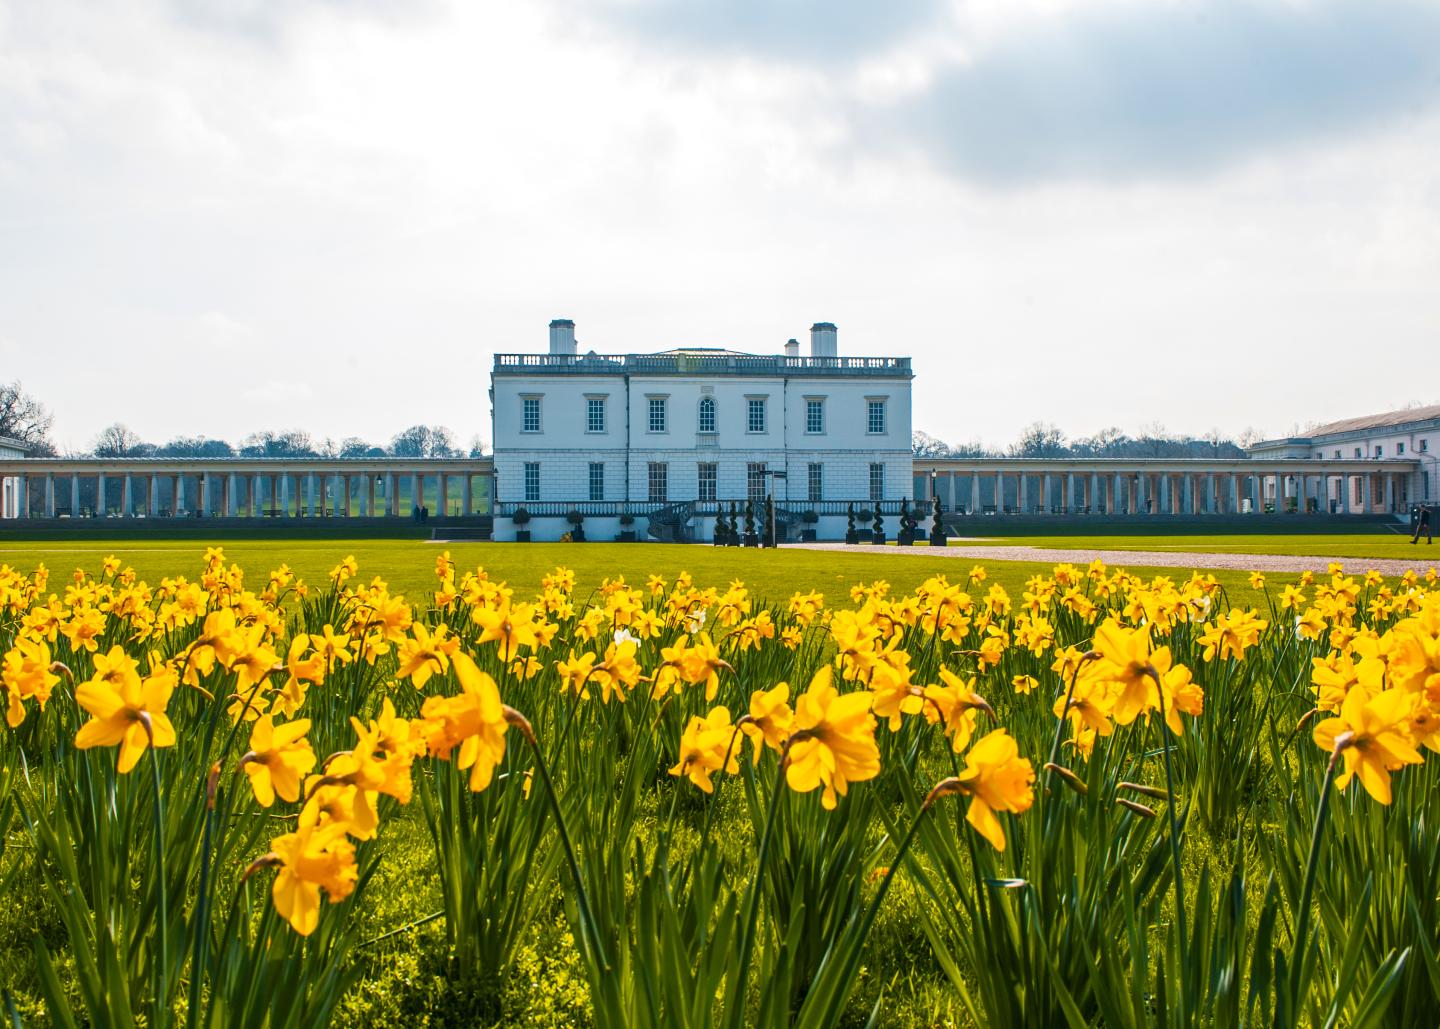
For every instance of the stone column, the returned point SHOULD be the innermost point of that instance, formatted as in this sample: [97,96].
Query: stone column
[1389,493]
[285,494]
[467,496]
[127,496]
[154,505]
[417,489]
[1187,485]
[101,508]
[390,508]
[345,485]
[1022,495]
[49,494]
[255,509]
[442,484]
[309,495]
[370,495]
[22,496]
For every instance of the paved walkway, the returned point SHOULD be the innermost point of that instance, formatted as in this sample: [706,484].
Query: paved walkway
[1425,559]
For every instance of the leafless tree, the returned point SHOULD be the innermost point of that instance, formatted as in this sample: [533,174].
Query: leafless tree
[24,418]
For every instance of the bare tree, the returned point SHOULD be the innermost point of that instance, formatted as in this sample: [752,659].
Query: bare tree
[424,441]
[24,418]
[119,440]
[478,447]
[1040,439]
[922,444]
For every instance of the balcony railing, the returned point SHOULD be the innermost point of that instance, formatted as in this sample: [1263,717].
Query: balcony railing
[700,364]
[701,508]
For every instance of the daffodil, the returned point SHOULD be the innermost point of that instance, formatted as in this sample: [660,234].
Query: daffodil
[130,713]
[279,757]
[833,743]
[995,779]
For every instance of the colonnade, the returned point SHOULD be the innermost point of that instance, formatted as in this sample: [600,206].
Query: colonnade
[54,488]
[1010,487]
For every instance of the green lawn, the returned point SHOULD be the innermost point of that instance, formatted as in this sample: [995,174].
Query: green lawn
[1370,545]
[408,564]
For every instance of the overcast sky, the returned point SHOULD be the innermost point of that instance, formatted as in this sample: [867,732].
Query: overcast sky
[224,215]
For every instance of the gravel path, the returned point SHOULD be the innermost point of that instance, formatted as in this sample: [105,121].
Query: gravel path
[1146,558]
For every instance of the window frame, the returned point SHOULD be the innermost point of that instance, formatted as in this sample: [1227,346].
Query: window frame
[752,405]
[658,471]
[815,482]
[532,482]
[712,480]
[594,402]
[596,466]
[877,484]
[526,400]
[657,402]
[815,405]
[706,402]
[871,405]
[756,472]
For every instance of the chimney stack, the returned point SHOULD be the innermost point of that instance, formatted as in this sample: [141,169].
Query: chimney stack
[792,348]
[562,337]
[822,340]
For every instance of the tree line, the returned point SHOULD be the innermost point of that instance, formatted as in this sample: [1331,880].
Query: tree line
[24,419]
[1042,439]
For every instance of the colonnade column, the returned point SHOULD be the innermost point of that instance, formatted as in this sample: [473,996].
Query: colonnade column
[974,493]
[1389,493]
[127,496]
[74,495]
[999,493]
[1022,495]
[22,496]
[49,495]
[390,507]
[467,497]
[153,508]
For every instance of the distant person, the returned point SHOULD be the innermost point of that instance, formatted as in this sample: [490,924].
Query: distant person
[1422,524]
[415,514]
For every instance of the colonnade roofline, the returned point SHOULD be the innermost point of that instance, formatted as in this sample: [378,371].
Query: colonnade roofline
[1177,465]
[238,465]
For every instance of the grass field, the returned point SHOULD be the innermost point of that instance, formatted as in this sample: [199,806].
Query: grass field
[621,887]
[407,565]
[1359,546]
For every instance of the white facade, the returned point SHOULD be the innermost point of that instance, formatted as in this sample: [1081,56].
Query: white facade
[603,434]
[11,487]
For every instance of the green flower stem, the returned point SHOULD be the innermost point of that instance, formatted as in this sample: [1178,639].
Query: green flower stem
[1312,866]
[735,1001]
[162,998]
[1174,844]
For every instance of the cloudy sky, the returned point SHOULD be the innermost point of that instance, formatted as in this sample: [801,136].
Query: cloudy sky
[224,215]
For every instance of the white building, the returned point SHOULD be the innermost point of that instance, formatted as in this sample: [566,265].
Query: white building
[1411,435]
[11,488]
[671,438]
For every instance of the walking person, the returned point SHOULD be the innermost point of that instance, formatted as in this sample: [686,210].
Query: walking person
[1422,524]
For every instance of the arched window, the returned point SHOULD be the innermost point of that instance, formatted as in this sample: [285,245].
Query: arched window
[707,414]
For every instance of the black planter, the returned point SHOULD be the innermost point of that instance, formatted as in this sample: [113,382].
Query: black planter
[807,535]
[877,538]
[522,535]
[627,536]
[852,537]
[577,534]
[905,540]
[937,538]
[752,539]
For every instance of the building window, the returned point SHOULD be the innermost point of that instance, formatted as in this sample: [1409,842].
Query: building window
[877,482]
[1379,450]
[530,414]
[659,478]
[1337,455]
[659,416]
[532,480]
[875,417]
[1399,449]
[594,414]
[755,481]
[755,417]
[597,480]
[1424,447]
[817,482]
[708,477]
[814,415]
[707,414]
[1357,451]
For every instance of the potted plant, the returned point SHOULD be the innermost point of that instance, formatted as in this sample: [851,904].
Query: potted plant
[722,533]
[752,538]
[627,530]
[810,518]
[852,535]
[521,518]
[877,529]
[577,528]
[937,528]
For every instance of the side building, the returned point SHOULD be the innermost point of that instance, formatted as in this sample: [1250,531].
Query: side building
[1410,435]
[658,444]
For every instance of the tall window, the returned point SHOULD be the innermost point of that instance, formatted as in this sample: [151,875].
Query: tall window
[659,481]
[817,482]
[594,414]
[708,475]
[875,417]
[877,482]
[707,414]
[530,414]
[755,481]
[814,415]
[532,480]
[1424,446]
[659,420]
[1379,450]
[597,480]
[1399,449]
[755,421]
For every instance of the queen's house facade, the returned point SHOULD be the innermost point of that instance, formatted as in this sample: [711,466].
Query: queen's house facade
[617,443]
